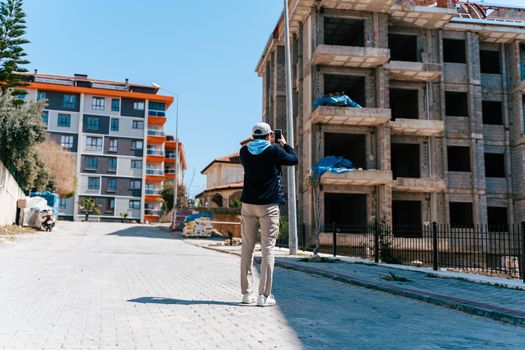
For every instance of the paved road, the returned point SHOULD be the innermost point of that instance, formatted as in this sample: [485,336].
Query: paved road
[106,286]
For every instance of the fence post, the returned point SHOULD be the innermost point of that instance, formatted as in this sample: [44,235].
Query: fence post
[303,226]
[522,255]
[376,242]
[334,239]
[435,264]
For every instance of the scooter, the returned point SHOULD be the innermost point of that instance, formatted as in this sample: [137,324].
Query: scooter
[48,222]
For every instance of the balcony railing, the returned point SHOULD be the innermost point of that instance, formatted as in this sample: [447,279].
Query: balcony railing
[152,212]
[154,172]
[156,133]
[155,113]
[170,155]
[156,152]
[169,171]
[152,191]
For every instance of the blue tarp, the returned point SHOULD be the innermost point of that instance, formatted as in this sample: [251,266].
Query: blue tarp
[339,100]
[52,200]
[337,165]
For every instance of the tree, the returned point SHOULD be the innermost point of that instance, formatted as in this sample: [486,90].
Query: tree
[89,206]
[12,55]
[61,166]
[21,130]
[314,182]
[167,196]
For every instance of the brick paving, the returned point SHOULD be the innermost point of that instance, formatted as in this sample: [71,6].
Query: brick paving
[117,286]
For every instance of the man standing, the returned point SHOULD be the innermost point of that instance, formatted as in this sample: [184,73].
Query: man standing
[262,194]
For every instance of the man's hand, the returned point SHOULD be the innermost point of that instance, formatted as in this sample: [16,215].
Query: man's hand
[281,141]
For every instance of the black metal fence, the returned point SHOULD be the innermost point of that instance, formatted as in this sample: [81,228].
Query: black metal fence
[493,250]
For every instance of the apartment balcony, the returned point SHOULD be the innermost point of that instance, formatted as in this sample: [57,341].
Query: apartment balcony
[156,137]
[155,155]
[170,144]
[170,158]
[350,116]
[421,185]
[422,14]
[350,56]
[413,71]
[358,177]
[156,120]
[417,127]
[157,172]
[170,174]
[154,212]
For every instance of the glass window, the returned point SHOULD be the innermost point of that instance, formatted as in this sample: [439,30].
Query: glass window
[138,124]
[66,141]
[135,184]
[70,101]
[112,165]
[94,143]
[139,106]
[136,164]
[62,203]
[45,117]
[137,144]
[114,124]
[157,109]
[91,163]
[92,123]
[64,120]
[112,185]
[134,204]
[113,145]
[41,95]
[111,203]
[115,105]
[93,183]
[98,103]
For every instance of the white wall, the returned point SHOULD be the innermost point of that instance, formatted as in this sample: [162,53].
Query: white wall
[124,167]
[10,193]
[52,120]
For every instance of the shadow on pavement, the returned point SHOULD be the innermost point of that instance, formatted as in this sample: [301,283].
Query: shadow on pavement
[171,301]
[144,231]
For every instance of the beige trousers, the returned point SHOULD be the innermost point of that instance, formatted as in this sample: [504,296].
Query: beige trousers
[267,218]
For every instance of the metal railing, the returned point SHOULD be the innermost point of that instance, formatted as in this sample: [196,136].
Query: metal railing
[152,191]
[485,249]
[152,212]
[170,155]
[169,171]
[156,133]
[154,172]
[157,152]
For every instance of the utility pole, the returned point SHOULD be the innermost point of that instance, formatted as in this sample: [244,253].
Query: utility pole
[292,201]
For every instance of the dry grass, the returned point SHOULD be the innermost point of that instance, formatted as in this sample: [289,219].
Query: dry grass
[16,230]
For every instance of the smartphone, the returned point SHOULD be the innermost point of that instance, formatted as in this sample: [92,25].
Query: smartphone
[278,134]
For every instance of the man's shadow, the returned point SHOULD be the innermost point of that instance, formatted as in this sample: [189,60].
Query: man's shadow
[171,301]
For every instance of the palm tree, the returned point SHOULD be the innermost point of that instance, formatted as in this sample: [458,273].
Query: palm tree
[90,207]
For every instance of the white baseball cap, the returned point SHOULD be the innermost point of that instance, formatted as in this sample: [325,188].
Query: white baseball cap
[260,129]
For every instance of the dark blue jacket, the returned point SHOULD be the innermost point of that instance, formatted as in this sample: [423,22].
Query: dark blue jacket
[263,176]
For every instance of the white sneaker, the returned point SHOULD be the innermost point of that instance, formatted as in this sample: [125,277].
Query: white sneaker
[248,298]
[266,301]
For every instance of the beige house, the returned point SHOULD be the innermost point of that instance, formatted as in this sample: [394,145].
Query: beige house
[224,182]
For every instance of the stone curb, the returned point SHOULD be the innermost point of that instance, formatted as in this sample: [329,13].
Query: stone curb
[471,307]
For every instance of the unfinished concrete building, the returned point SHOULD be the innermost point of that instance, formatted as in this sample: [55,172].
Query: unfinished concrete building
[441,135]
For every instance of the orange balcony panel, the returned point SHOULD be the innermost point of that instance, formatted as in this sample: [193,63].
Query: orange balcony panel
[170,176]
[151,218]
[171,144]
[153,198]
[156,120]
[156,139]
[170,160]
[153,158]
[154,178]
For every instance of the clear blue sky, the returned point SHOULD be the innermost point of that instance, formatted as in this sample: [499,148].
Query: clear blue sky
[206,51]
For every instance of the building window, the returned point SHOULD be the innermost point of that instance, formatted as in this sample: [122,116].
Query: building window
[137,145]
[135,184]
[136,164]
[92,123]
[45,117]
[70,101]
[458,158]
[138,124]
[115,105]
[94,183]
[94,143]
[157,109]
[91,163]
[98,103]
[111,203]
[66,141]
[113,145]
[41,95]
[62,203]
[138,106]
[114,124]
[134,204]
[64,120]
[112,185]
[112,165]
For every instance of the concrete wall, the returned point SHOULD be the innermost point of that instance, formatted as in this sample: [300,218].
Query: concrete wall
[10,193]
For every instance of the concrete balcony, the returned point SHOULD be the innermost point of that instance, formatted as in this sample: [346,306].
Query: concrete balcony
[358,177]
[417,127]
[350,56]
[404,184]
[422,16]
[521,86]
[413,71]
[350,116]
